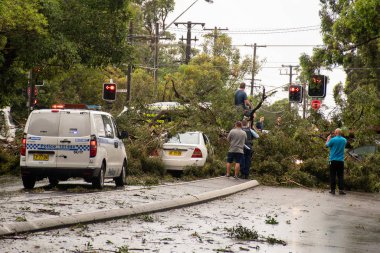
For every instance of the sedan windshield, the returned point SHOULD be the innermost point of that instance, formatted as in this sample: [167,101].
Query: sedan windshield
[187,138]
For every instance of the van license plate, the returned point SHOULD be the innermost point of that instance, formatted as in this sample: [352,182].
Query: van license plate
[41,157]
[175,153]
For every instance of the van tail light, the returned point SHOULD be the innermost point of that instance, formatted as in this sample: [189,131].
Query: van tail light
[23,147]
[93,146]
[197,153]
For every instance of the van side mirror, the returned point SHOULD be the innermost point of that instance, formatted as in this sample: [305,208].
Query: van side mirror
[123,135]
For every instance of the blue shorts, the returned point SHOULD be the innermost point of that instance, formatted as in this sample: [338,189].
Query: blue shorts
[237,157]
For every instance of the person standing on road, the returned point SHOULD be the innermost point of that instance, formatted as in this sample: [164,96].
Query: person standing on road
[236,137]
[241,99]
[336,159]
[248,149]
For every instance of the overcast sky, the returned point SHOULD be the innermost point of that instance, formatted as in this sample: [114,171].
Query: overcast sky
[265,22]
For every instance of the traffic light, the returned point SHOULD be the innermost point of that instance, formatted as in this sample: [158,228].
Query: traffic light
[109,91]
[295,93]
[317,86]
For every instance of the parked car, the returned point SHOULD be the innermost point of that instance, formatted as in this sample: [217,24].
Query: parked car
[72,141]
[360,152]
[186,149]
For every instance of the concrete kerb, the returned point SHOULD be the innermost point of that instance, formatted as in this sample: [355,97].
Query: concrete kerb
[65,221]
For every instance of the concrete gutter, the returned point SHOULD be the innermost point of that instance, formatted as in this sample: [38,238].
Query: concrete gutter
[66,221]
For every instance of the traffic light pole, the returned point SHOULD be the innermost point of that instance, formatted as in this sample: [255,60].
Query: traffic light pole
[304,101]
[129,71]
[290,76]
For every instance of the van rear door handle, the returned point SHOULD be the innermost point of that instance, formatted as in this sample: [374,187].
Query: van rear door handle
[65,141]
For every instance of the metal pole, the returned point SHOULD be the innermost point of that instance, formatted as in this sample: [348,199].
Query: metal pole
[129,71]
[165,28]
[304,100]
[156,38]
[253,68]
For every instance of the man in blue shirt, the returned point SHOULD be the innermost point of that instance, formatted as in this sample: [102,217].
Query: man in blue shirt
[241,99]
[336,158]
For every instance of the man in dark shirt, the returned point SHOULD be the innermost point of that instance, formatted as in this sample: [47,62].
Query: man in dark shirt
[248,149]
[241,98]
[260,124]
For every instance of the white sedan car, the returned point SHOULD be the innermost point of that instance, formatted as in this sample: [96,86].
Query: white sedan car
[185,149]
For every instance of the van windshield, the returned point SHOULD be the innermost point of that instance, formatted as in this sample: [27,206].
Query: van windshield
[44,124]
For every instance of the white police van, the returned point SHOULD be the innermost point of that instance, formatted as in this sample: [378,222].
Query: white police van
[72,141]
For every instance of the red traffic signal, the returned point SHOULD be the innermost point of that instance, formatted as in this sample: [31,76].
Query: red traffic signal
[295,93]
[315,104]
[317,86]
[109,91]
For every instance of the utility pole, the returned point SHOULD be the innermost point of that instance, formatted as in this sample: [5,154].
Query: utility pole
[254,46]
[290,72]
[189,25]
[215,34]
[129,71]
[155,64]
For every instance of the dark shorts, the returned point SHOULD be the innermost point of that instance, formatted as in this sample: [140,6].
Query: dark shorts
[237,157]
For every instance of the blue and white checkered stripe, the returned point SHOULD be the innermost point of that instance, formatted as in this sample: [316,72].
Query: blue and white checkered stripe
[32,146]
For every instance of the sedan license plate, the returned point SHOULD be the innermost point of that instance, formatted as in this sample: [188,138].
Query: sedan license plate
[41,157]
[175,153]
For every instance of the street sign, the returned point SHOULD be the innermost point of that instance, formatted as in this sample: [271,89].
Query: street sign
[122,90]
[315,104]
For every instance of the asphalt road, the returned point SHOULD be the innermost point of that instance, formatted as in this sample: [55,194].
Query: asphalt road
[308,221]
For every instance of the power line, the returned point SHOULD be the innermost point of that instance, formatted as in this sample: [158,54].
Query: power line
[253,31]
[285,45]
[269,29]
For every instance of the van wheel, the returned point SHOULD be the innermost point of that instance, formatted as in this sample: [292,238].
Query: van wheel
[28,182]
[98,182]
[53,181]
[121,180]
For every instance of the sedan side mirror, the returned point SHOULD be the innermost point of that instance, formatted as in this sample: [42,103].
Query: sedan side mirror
[123,135]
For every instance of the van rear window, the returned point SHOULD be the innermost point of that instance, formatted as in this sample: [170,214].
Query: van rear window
[44,124]
[74,124]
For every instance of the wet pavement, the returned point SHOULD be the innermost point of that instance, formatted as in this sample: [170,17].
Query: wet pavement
[308,221]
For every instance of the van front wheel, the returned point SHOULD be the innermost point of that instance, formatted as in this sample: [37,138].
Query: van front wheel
[98,182]
[28,182]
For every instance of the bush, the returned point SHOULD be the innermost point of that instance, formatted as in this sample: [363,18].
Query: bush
[9,162]
[301,177]
[317,167]
[270,167]
[364,175]
[153,165]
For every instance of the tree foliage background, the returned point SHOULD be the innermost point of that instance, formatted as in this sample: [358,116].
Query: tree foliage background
[78,45]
